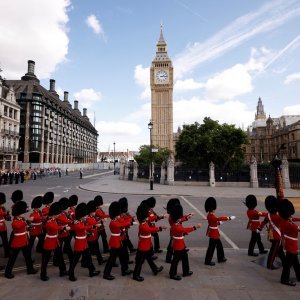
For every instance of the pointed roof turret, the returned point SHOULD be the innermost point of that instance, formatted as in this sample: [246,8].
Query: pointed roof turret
[161,48]
[260,114]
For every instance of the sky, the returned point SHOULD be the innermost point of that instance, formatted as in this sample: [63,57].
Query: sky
[225,53]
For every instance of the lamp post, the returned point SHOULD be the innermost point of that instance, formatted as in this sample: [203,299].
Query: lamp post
[114,158]
[150,126]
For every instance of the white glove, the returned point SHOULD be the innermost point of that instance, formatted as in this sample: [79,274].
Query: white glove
[220,222]
[232,217]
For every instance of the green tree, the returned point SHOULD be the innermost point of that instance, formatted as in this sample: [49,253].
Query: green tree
[198,145]
[144,156]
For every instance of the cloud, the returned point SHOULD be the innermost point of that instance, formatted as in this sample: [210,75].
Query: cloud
[87,97]
[265,19]
[188,111]
[187,85]
[292,77]
[142,78]
[31,27]
[122,129]
[94,23]
[292,110]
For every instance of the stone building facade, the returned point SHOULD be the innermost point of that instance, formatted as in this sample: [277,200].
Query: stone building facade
[9,126]
[266,136]
[51,130]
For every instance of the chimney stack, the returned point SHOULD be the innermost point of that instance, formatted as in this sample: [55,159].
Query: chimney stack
[30,72]
[66,96]
[31,65]
[76,104]
[84,112]
[52,85]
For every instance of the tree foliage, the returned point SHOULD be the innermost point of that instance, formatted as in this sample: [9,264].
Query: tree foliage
[144,156]
[198,145]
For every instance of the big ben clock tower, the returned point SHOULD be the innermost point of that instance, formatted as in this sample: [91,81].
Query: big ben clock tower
[161,81]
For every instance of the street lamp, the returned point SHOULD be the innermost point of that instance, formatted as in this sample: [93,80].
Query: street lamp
[150,126]
[114,158]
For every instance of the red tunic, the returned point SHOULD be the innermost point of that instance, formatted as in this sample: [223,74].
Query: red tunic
[145,231]
[63,220]
[253,216]
[125,218]
[178,233]
[274,226]
[213,222]
[71,212]
[45,210]
[80,229]
[93,233]
[101,215]
[115,226]
[289,231]
[37,222]
[183,219]
[20,236]
[2,219]
[51,239]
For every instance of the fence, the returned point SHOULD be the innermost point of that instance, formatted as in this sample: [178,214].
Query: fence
[266,175]
[294,173]
[233,175]
[184,174]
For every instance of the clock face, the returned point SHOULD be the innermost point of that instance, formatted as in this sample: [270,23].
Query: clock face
[161,76]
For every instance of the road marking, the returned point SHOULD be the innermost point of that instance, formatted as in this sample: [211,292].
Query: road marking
[227,239]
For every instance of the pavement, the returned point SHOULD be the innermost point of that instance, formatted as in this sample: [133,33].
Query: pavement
[241,277]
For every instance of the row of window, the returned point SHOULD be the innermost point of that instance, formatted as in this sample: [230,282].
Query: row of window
[10,112]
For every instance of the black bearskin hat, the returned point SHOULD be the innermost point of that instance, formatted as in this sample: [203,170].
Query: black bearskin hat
[2,198]
[251,201]
[98,200]
[16,196]
[286,208]
[80,210]
[171,203]
[151,202]
[91,206]
[48,198]
[37,202]
[55,209]
[210,204]
[19,208]
[114,209]
[271,204]
[64,203]
[142,212]
[73,200]
[176,213]
[123,204]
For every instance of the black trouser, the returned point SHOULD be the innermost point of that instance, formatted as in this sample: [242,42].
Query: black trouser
[95,249]
[12,259]
[139,260]
[128,242]
[213,243]
[39,246]
[291,260]
[5,244]
[183,256]
[156,244]
[86,256]
[46,257]
[103,235]
[65,245]
[255,238]
[276,249]
[169,251]
[114,253]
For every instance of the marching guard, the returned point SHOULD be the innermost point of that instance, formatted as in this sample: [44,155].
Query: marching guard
[144,250]
[20,241]
[213,232]
[178,245]
[4,216]
[254,226]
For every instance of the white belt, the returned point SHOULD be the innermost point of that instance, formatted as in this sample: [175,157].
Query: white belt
[210,227]
[178,237]
[145,236]
[51,236]
[36,224]
[2,221]
[254,220]
[80,237]
[17,234]
[115,234]
[291,238]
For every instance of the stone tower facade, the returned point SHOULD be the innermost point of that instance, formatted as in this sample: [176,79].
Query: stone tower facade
[161,82]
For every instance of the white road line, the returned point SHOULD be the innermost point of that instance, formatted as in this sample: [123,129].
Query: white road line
[227,239]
